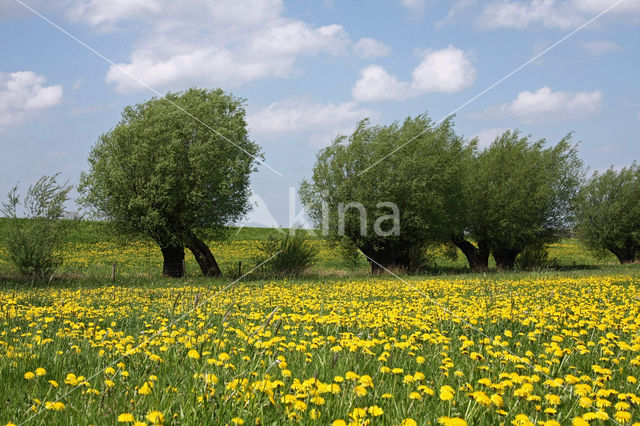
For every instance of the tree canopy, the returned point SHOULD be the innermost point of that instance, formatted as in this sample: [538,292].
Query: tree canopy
[422,178]
[520,193]
[164,173]
[609,213]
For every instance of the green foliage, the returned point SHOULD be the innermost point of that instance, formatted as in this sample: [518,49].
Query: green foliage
[534,256]
[521,193]
[423,178]
[34,244]
[350,253]
[290,255]
[608,216]
[162,173]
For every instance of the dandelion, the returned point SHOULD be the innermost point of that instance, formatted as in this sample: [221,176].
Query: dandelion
[126,418]
[56,406]
[446,393]
[375,411]
[521,420]
[40,371]
[579,421]
[622,416]
[155,417]
[452,421]
[358,413]
[29,375]
[144,389]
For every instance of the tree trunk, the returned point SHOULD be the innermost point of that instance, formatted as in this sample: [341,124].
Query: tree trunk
[626,254]
[386,259]
[204,257]
[505,258]
[173,265]
[478,257]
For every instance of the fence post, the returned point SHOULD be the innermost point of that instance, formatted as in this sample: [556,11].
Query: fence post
[113,272]
[239,268]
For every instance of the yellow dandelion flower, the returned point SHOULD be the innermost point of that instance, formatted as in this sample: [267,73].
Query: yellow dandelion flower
[622,416]
[126,418]
[155,417]
[452,421]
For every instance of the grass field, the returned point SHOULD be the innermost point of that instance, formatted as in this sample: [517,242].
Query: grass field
[92,249]
[548,347]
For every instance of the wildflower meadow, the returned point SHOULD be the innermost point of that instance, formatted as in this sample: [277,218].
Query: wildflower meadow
[542,348]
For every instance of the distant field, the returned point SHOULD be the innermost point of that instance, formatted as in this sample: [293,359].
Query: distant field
[92,248]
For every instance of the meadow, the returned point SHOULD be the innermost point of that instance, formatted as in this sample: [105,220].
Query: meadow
[543,347]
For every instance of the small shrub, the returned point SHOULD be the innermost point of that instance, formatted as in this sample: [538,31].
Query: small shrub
[290,255]
[535,256]
[33,243]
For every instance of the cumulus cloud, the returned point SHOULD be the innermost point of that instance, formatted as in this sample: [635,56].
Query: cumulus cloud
[550,13]
[317,122]
[224,43]
[445,71]
[376,84]
[600,47]
[368,48]
[545,104]
[23,94]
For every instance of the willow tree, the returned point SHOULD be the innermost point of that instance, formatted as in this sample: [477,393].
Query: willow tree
[520,194]
[608,216]
[172,167]
[413,170]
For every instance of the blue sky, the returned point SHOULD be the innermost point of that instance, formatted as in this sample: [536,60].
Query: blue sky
[311,69]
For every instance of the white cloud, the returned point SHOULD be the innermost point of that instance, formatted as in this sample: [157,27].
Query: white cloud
[545,104]
[487,136]
[519,15]
[221,43]
[107,13]
[600,47]
[376,84]
[320,123]
[368,48]
[446,71]
[23,94]
[550,13]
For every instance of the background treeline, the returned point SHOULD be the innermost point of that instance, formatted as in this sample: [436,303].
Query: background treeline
[509,200]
